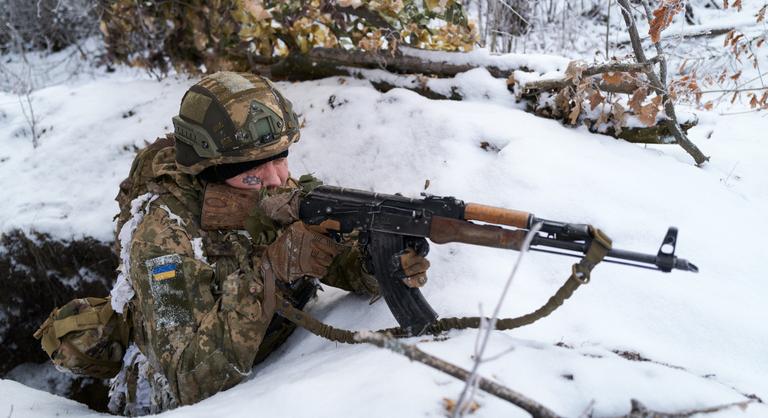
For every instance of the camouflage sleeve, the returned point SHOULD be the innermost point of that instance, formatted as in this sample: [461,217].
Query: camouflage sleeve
[203,343]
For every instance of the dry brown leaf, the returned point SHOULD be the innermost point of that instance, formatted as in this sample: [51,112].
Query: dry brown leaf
[574,70]
[563,100]
[735,95]
[709,105]
[595,99]
[722,76]
[257,11]
[511,79]
[725,4]
[613,78]
[662,17]
[764,99]
[573,116]
[347,3]
[603,118]
[753,102]
[450,406]
[647,114]
[761,13]
[737,5]
[728,37]
[636,102]
[760,41]
[736,76]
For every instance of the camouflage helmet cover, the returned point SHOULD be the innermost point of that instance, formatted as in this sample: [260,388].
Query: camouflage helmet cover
[229,118]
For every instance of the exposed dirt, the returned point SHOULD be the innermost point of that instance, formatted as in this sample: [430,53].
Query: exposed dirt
[37,274]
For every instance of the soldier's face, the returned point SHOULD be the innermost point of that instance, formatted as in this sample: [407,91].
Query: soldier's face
[271,174]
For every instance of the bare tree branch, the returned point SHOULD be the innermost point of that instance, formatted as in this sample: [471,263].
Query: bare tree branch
[671,121]
[534,408]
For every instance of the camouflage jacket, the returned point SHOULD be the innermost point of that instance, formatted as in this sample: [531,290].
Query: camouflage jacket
[199,315]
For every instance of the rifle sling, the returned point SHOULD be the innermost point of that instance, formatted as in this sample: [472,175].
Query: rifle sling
[580,274]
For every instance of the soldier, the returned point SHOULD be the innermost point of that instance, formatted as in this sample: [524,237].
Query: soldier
[199,293]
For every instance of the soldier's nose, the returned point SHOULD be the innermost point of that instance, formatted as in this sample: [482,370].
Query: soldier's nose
[270,177]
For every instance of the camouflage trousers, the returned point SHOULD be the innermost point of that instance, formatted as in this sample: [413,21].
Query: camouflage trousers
[138,389]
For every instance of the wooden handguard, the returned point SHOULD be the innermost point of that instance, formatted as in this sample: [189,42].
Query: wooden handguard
[494,215]
[444,230]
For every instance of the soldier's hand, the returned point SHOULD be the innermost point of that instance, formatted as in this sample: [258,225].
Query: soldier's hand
[300,252]
[414,264]
[282,207]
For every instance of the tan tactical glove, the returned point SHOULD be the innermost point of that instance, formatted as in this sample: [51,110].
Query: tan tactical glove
[299,252]
[282,207]
[414,264]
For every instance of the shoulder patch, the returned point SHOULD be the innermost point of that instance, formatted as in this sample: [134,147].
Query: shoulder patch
[171,302]
[163,267]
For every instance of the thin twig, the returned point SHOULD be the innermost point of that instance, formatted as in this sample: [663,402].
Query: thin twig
[733,90]
[608,32]
[464,399]
[534,408]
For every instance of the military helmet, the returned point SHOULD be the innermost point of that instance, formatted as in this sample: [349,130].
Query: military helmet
[232,118]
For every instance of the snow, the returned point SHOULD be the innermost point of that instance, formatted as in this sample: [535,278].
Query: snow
[704,334]
[535,62]
[197,249]
[123,291]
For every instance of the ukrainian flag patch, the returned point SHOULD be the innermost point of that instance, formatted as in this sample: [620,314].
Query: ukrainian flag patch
[164,267]
[164,272]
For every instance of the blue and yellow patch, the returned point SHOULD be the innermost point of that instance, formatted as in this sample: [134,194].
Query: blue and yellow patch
[164,267]
[164,272]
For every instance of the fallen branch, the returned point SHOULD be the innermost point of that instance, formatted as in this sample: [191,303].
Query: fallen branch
[615,67]
[701,33]
[418,73]
[641,411]
[329,62]
[534,408]
[534,87]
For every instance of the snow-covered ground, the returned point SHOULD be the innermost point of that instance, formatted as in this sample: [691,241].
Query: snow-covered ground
[703,335]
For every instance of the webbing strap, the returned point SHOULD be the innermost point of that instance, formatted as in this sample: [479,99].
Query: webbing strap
[580,274]
[84,320]
[308,322]
[86,359]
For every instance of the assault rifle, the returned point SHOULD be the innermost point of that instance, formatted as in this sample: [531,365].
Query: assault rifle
[388,224]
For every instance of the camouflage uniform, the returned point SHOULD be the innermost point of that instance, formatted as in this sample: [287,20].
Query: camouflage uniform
[199,314]
[201,308]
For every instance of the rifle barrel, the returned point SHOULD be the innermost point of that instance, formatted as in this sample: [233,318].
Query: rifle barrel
[614,255]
